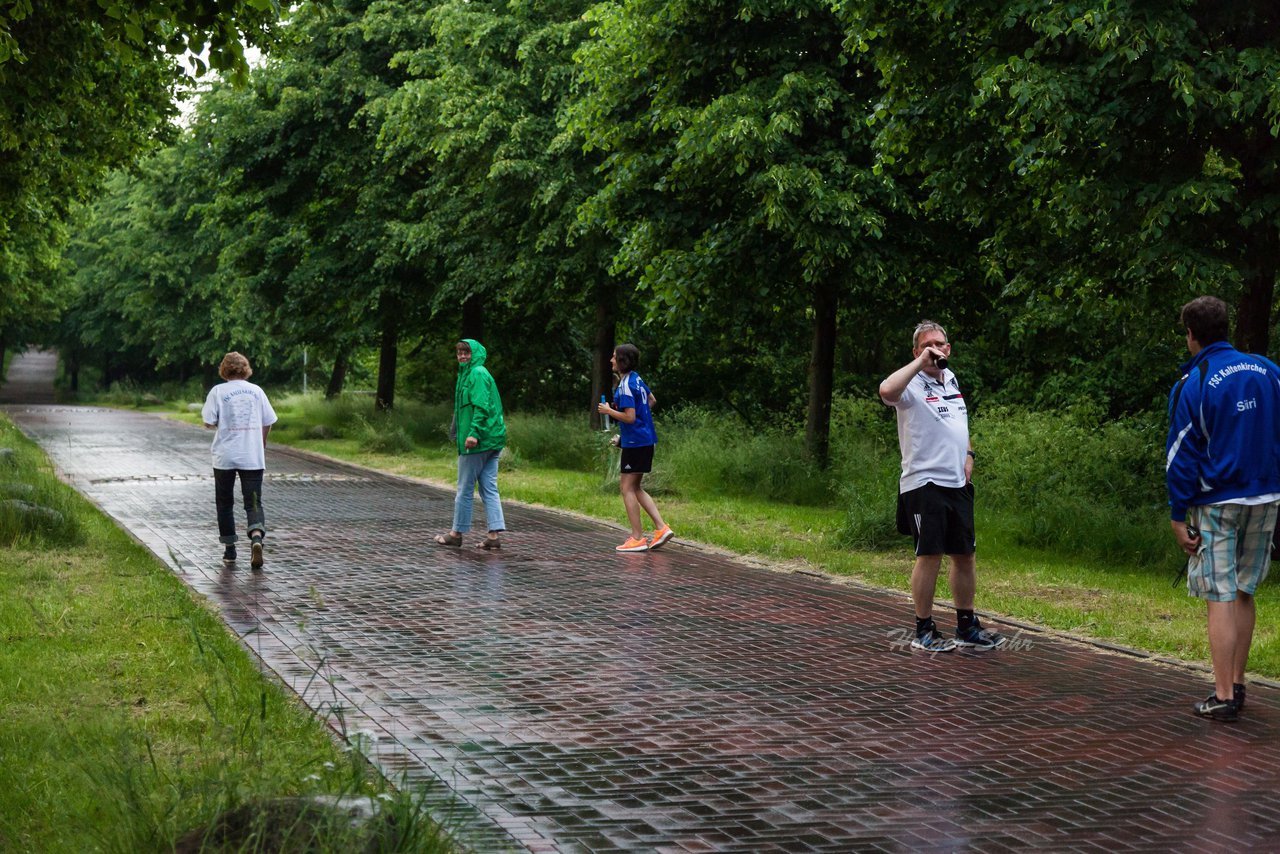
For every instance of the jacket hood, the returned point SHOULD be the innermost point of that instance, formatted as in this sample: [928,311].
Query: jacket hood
[478,353]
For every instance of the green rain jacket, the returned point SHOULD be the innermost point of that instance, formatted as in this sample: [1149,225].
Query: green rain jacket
[476,404]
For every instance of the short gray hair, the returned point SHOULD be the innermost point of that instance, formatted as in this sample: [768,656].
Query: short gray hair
[923,327]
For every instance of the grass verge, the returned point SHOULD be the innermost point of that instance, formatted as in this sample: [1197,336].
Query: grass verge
[131,718]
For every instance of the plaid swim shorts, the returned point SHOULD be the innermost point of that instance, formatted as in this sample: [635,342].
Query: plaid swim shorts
[1235,549]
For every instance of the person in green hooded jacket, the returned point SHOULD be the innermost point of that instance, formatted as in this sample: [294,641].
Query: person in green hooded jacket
[481,434]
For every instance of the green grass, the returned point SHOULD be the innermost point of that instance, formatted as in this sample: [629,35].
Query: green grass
[130,715]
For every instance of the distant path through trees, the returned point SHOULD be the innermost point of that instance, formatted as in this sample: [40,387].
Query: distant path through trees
[29,378]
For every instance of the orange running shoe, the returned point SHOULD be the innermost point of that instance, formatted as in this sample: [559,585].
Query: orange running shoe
[660,536]
[633,544]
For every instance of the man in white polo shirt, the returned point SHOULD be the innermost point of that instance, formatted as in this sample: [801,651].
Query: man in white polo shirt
[935,492]
[242,415]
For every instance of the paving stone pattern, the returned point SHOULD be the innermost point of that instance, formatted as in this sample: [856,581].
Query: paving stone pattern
[581,700]
[29,378]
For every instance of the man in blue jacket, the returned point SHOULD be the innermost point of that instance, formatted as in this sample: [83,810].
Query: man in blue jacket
[1223,473]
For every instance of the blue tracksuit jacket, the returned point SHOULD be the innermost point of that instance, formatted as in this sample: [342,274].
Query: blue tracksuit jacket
[1224,429]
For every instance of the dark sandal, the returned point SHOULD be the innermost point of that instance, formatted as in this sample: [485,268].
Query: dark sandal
[492,545]
[447,540]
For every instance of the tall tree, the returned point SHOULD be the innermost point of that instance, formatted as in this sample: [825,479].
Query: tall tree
[1116,158]
[481,118]
[146,301]
[739,173]
[85,86]
[304,200]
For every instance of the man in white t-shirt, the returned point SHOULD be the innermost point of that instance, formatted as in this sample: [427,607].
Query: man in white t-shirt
[935,492]
[242,415]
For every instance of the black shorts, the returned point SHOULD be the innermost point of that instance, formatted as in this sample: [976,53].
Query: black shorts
[637,460]
[940,518]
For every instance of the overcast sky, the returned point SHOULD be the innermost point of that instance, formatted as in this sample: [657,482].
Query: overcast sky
[186,107]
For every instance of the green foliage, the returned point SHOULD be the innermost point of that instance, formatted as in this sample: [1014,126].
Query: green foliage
[146,299]
[311,411]
[1076,482]
[1112,160]
[129,393]
[708,451]
[478,123]
[866,468]
[300,209]
[85,86]
[739,181]
[353,416]
[383,436]
[232,806]
[764,196]
[556,441]
[134,704]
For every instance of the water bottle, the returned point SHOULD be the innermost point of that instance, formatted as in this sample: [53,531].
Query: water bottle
[604,399]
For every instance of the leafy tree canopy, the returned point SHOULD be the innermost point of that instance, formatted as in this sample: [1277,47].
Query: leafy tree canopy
[85,86]
[1114,159]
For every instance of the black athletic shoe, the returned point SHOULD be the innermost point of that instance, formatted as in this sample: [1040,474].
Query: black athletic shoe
[255,560]
[1237,694]
[229,555]
[932,640]
[1218,710]
[976,637]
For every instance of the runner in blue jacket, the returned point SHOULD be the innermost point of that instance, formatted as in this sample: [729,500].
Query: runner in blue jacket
[1223,475]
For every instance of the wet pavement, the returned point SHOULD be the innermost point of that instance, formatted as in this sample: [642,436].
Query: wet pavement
[581,700]
[29,378]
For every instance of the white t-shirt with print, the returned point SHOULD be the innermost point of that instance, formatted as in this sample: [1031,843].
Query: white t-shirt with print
[933,432]
[240,410]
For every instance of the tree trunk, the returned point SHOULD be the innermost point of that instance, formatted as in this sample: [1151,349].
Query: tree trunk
[1253,314]
[338,378]
[473,318]
[822,363]
[385,397]
[606,329]
[73,370]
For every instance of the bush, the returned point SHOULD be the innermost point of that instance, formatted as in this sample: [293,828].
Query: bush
[716,452]
[866,466]
[383,434]
[555,441]
[1073,481]
[408,425]
[426,424]
[1070,481]
[128,393]
[1100,530]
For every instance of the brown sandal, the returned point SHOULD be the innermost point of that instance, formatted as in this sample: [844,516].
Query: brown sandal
[449,539]
[490,544]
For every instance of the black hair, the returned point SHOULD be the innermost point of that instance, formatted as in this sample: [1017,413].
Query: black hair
[627,357]
[1206,318]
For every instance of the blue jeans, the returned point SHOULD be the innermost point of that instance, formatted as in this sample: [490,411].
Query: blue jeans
[478,470]
[224,482]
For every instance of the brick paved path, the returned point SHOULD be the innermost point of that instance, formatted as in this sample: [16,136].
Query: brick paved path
[29,378]
[580,700]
